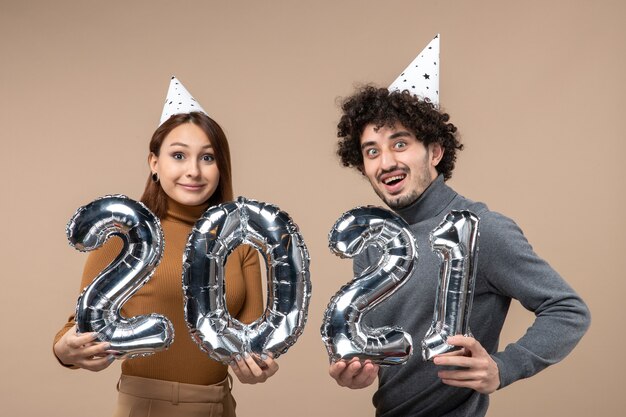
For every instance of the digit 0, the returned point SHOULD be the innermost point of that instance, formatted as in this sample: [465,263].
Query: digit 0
[270,231]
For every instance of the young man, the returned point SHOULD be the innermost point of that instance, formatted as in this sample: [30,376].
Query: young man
[407,149]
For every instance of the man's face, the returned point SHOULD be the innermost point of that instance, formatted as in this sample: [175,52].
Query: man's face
[398,166]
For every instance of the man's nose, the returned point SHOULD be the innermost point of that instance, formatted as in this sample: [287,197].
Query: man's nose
[387,160]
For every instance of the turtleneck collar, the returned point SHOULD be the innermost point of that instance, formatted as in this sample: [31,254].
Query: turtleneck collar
[430,204]
[184,214]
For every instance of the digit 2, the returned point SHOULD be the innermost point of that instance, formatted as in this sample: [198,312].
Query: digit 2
[98,306]
[342,332]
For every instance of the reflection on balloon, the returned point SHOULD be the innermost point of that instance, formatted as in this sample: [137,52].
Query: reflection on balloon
[456,242]
[98,307]
[342,332]
[218,232]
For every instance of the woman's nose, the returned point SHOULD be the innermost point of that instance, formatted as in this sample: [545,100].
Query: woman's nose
[193,170]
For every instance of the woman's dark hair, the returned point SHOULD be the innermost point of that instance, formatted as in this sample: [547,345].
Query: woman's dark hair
[153,195]
[381,107]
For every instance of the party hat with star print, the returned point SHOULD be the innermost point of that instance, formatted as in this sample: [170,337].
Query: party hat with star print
[179,101]
[421,77]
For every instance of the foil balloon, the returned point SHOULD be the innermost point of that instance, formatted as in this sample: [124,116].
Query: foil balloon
[342,332]
[216,234]
[456,242]
[98,307]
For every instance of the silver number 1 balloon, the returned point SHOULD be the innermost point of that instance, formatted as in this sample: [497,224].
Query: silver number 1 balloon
[98,307]
[218,232]
[343,334]
[456,242]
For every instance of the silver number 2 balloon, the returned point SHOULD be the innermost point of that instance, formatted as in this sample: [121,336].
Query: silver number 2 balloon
[343,334]
[98,307]
[456,242]
[271,231]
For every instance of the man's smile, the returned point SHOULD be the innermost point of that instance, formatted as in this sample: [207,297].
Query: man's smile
[393,181]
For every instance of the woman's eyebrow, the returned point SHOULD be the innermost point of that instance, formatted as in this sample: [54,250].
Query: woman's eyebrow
[186,146]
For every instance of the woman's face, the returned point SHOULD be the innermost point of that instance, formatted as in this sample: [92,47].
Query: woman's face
[186,165]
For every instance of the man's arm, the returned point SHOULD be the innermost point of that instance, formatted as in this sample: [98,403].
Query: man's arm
[513,269]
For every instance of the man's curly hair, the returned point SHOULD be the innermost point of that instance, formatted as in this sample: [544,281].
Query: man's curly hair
[383,108]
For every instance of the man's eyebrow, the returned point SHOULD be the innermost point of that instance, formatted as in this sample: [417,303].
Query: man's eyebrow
[366,144]
[400,134]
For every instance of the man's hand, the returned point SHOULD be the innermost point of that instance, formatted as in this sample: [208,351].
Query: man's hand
[481,371]
[354,374]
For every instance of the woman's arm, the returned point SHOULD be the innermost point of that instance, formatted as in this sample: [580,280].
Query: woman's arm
[75,350]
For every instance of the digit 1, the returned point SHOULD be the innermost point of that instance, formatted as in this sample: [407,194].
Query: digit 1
[456,242]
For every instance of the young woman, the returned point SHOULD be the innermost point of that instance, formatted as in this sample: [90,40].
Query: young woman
[190,170]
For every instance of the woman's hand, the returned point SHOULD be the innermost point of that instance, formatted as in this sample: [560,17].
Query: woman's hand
[82,351]
[253,370]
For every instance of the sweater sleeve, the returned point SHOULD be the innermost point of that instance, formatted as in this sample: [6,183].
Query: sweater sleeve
[514,270]
[96,262]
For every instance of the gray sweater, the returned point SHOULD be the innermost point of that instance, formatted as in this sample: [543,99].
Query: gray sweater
[507,268]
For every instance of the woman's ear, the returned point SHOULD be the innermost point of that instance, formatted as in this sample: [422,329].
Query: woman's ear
[152,162]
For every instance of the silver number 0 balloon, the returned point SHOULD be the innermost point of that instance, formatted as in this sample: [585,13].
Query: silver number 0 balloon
[218,232]
[342,332]
[98,307]
[456,242]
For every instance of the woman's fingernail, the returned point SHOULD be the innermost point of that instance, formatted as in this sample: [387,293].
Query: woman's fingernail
[246,355]
[237,357]
[111,358]
[263,356]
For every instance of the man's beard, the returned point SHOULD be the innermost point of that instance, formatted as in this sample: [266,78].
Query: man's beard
[396,203]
